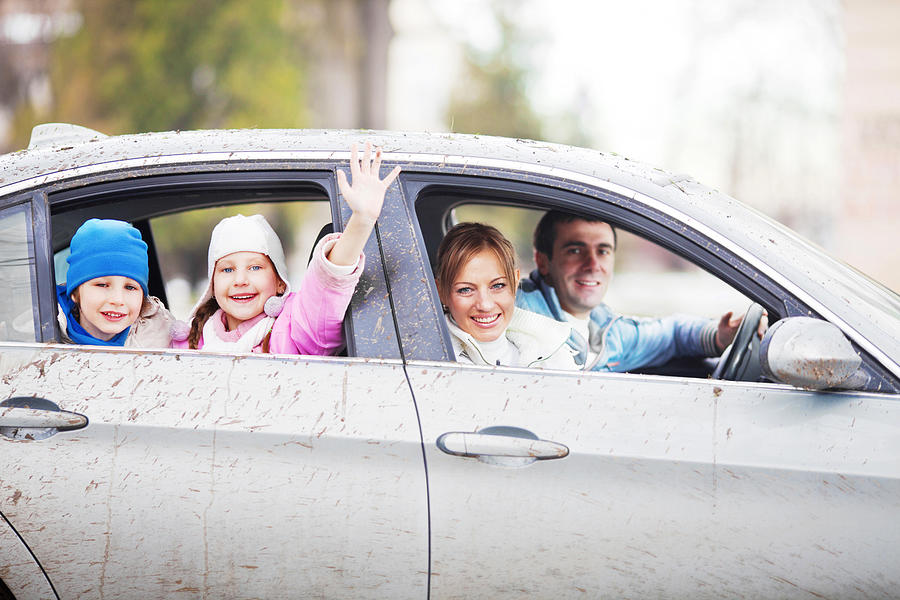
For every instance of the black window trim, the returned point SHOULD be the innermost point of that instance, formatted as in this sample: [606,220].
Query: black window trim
[43,256]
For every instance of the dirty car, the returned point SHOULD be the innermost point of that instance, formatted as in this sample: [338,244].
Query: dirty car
[393,471]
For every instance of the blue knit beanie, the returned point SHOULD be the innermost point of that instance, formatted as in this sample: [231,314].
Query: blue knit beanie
[104,247]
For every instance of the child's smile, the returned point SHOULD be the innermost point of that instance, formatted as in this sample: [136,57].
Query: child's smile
[108,305]
[242,282]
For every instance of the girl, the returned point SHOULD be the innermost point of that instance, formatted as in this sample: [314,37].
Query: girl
[249,305]
[476,280]
[104,301]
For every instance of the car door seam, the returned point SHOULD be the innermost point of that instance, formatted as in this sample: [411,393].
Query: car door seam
[31,552]
[387,281]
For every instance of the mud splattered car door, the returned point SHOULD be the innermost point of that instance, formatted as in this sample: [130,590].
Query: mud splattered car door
[183,474]
[602,485]
[259,476]
[20,573]
[553,484]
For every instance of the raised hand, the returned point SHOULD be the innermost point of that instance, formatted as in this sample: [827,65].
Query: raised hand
[364,196]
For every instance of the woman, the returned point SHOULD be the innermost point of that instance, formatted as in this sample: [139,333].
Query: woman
[476,279]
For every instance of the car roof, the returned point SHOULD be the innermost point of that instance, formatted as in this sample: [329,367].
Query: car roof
[62,151]
[66,146]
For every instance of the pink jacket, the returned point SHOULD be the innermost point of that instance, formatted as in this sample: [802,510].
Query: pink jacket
[311,321]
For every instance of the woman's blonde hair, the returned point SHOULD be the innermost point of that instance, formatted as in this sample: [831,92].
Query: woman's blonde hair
[462,243]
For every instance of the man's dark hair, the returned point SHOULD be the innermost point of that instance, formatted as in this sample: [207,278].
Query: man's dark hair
[545,232]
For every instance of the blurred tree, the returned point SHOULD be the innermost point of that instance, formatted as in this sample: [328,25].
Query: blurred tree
[155,65]
[490,98]
[346,44]
[147,65]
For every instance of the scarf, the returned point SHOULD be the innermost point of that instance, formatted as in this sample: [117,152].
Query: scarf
[244,338]
[74,329]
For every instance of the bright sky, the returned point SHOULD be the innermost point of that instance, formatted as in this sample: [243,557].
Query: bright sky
[679,84]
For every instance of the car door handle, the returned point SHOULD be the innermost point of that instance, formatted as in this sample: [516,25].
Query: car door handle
[502,442]
[36,418]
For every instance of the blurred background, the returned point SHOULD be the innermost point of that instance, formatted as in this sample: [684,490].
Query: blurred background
[792,106]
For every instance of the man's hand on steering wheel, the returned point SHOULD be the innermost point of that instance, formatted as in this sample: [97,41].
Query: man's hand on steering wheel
[728,328]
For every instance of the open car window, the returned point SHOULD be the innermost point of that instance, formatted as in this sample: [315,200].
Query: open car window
[182,239]
[176,214]
[664,266]
[649,280]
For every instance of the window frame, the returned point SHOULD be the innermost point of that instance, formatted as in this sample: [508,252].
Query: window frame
[454,190]
[180,188]
[43,300]
[511,188]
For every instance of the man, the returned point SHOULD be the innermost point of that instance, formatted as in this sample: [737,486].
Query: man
[575,257]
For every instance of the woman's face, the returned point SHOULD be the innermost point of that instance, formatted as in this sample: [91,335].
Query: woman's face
[480,298]
[108,305]
[242,282]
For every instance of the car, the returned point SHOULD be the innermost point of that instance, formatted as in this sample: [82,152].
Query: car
[392,471]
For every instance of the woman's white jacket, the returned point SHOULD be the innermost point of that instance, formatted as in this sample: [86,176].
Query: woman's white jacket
[540,340]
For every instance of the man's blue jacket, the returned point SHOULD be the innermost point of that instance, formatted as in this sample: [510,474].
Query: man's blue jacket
[623,343]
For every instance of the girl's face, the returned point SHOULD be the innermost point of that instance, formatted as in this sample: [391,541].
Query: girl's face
[480,299]
[108,305]
[242,282]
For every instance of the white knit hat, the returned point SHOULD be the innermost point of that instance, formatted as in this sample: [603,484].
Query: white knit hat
[244,234]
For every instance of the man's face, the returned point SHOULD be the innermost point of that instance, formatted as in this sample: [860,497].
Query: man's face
[581,268]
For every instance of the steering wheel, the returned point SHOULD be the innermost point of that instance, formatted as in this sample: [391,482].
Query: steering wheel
[740,360]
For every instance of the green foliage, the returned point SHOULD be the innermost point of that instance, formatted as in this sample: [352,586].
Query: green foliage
[156,65]
[491,97]
[150,65]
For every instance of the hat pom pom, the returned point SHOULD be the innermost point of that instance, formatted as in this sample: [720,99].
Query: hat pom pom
[273,306]
[179,330]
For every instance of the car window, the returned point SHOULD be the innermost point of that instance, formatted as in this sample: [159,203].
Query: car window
[650,281]
[176,210]
[176,213]
[678,285]
[17,275]
[182,241]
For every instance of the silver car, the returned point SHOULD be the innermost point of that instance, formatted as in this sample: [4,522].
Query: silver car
[394,472]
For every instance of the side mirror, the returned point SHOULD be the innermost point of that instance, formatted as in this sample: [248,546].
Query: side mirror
[808,353]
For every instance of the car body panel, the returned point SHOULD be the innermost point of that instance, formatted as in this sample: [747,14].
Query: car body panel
[671,488]
[279,474]
[19,571]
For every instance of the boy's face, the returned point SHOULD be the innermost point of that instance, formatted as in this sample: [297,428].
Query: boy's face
[581,268]
[108,305]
